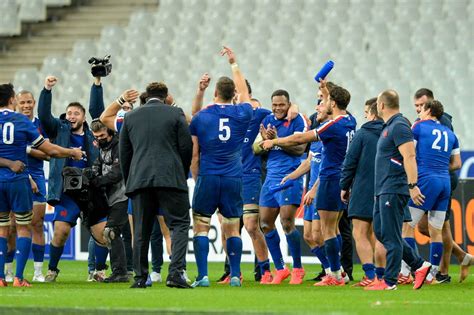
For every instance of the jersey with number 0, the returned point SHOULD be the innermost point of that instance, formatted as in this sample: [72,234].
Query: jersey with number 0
[336,135]
[435,144]
[16,132]
[221,130]
[35,166]
[252,164]
[280,163]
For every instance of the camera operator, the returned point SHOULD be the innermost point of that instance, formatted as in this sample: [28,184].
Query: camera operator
[69,130]
[108,177]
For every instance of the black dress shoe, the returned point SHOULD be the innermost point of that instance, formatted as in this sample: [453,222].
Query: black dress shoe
[139,284]
[114,278]
[177,280]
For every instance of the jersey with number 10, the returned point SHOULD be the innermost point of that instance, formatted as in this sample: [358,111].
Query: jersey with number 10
[336,135]
[221,130]
[435,143]
[16,132]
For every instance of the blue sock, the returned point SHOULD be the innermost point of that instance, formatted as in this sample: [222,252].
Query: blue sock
[234,252]
[369,270]
[339,241]
[10,256]
[332,252]
[23,247]
[436,251]
[411,241]
[294,246]
[273,242]
[201,250]
[264,266]
[380,272]
[54,256]
[38,252]
[3,254]
[320,252]
[101,253]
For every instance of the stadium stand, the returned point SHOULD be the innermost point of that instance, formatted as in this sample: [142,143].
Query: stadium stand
[375,44]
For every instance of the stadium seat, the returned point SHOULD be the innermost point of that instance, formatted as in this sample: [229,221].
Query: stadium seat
[57,3]
[54,65]
[10,23]
[84,49]
[32,11]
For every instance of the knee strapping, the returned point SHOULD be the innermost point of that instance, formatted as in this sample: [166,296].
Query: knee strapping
[250,212]
[230,220]
[200,219]
[436,219]
[23,218]
[416,215]
[4,219]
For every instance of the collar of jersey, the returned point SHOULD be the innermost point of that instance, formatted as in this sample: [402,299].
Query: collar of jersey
[7,110]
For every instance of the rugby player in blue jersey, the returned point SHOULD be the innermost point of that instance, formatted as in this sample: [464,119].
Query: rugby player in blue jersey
[437,153]
[281,162]
[335,135]
[26,105]
[218,134]
[16,195]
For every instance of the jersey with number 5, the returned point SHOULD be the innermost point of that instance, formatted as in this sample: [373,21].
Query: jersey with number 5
[221,130]
[435,143]
[336,135]
[16,132]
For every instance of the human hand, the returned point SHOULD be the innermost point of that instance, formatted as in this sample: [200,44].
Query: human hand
[49,82]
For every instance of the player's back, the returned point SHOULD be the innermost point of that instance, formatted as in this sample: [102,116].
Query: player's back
[221,131]
[15,135]
[336,135]
[435,143]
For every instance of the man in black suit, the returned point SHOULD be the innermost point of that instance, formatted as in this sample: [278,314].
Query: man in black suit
[155,156]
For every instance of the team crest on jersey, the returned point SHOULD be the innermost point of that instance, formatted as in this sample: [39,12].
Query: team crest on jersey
[63,213]
[286,124]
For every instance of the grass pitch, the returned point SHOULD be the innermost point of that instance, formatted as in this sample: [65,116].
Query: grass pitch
[71,294]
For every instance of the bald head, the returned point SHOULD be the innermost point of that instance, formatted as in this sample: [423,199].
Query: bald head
[390,99]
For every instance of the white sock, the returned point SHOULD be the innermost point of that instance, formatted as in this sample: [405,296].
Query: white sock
[338,274]
[9,267]
[405,269]
[38,266]
[328,271]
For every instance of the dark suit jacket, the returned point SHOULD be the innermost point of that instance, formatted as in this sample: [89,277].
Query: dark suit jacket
[155,148]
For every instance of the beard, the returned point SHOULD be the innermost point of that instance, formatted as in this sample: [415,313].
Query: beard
[78,126]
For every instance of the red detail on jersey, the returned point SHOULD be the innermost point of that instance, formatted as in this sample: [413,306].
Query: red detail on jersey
[286,124]
[329,124]
[63,213]
[385,134]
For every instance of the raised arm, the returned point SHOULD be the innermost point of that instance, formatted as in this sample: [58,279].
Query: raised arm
[199,97]
[110,113]
[49,123]
[96,99]
[237,75]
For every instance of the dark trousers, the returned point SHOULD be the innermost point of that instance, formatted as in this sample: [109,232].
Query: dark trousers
[116,219]
[175,205]
[127,242]
[156,244]
[346,250]
[389,212]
